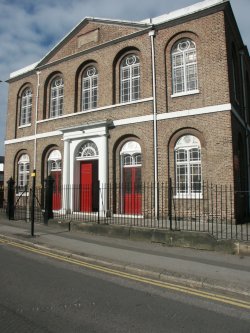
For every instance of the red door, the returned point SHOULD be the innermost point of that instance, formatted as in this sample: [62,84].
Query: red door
[86,186]
[56,205]
[132,190]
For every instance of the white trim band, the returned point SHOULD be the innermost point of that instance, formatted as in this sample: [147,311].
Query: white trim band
[135,120]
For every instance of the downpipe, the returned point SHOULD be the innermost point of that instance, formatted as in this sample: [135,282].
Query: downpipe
[152,35]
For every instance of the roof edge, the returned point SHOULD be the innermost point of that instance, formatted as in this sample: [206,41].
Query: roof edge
[186,11]
[23,70]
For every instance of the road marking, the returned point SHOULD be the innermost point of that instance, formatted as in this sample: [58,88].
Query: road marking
[157,283]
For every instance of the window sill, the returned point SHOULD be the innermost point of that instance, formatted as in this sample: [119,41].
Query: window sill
[24,126]
[188,196]
[185,93]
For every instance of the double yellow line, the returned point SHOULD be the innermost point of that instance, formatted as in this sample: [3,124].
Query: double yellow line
[166,285]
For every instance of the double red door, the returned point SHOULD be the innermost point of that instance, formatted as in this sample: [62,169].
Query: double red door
[132,188]
[56,205]
[89,189]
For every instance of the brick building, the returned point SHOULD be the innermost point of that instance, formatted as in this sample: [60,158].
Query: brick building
[133,102]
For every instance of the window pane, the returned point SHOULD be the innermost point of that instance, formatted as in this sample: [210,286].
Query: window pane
[86,84]
[26,107]
[181,155]
[182,180]
[127,160]
[125,73]
[195,154]
[184,67]
[195,173]
[130,79]
[188,165]
[89,88]
[56,103]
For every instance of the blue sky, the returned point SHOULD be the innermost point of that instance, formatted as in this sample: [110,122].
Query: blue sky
[29,28]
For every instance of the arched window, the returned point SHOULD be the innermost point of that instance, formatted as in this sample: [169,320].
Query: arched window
[184,67]
[56,97]
[23,171]
[188,165]
[26,107]
[131,189]
[54,161]
[55,171]
[130,78]
[87,150]
[89,88]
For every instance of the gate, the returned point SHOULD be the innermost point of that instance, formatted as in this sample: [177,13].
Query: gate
[24,203]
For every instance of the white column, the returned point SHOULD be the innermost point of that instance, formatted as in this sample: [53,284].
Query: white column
[66,175]
[103,173]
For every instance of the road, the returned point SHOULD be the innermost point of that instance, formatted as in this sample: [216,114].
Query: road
[39,293]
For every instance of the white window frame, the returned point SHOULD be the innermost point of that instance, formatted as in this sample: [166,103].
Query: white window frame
[129,75]
[181,51]
[89,88]
[26,107]
[54,161]
[56,97]
[188,144]
[23,172]
[87,151]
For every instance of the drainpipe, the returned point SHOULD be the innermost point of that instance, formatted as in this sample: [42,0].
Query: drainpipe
[242,53]
[152,35]
[36,112]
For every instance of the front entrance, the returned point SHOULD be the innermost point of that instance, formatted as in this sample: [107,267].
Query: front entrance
[56,175]
[89,186]
[131,161]
[132,190]
[55,170]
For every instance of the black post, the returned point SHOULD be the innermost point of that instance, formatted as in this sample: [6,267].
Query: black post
[10,210]
[48,214]
[170,202]
[33,195]
[98,212]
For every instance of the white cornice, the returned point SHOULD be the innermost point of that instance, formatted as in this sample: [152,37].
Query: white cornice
[194,112]
[134,120]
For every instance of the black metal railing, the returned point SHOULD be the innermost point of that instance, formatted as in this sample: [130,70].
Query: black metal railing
[218,210]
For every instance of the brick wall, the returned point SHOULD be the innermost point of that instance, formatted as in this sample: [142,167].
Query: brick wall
[214,130]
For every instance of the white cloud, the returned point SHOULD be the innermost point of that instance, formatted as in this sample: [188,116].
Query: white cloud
[29,29]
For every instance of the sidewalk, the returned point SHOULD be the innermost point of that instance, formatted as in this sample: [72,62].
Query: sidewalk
[196,268]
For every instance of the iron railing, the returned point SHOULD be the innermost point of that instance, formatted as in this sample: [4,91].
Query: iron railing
[218,210]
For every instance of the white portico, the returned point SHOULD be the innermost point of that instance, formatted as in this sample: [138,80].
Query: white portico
[85,166]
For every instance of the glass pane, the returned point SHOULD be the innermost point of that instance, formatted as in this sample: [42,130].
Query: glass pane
[136,71]
[182,179]
[181,155]
[127,160]
[178,60]
[190,57]
[195,154]
[195,174]
[125,73]
[86,84]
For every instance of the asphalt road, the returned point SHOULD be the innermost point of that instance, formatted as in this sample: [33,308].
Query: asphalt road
[40,294]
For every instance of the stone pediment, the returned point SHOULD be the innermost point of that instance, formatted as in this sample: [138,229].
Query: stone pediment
[89,33]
